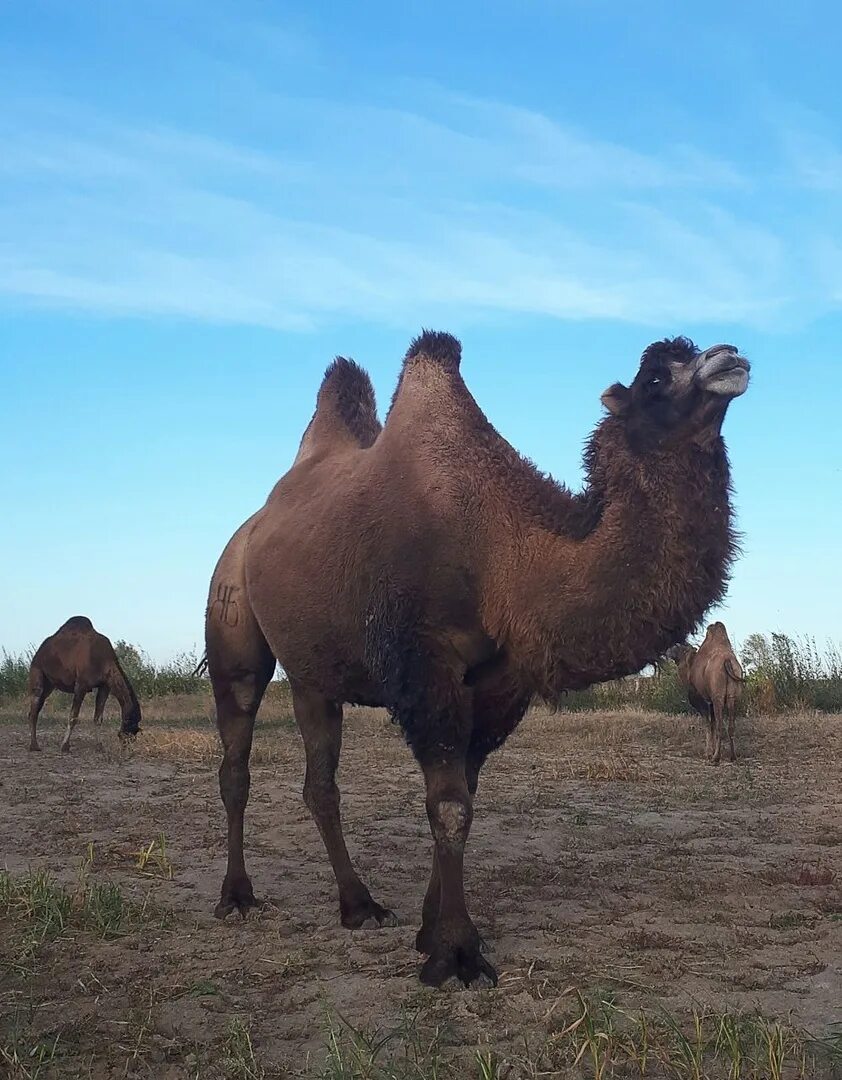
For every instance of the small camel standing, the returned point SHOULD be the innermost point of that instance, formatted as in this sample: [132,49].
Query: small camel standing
[428,568]
[714,681]
[76,659]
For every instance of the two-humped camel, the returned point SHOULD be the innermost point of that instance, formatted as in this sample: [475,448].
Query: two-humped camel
[714,681]
[428,568]
[76,659]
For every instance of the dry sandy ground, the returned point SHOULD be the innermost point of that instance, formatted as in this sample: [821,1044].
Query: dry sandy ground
[604,854]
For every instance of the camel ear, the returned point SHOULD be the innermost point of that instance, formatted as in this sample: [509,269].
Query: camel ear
[616,399]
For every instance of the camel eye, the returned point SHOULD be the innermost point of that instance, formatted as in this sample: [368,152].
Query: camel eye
[657,382]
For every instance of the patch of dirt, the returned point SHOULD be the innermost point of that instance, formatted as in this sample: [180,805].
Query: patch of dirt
[604,853]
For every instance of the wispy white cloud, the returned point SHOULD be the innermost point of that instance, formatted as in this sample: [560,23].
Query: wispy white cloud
[542,150]
[351,211]
[811,151]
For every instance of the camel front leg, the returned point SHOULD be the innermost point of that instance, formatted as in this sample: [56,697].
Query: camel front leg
[78,698]
[453,942]
[320,724]
[425,938]
[99,704]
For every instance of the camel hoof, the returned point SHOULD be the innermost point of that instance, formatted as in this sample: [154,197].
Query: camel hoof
[458,966]
[236,900]
[65,748]
[226,908]
[482,982]
[368,916]
[389,918]
[34,746]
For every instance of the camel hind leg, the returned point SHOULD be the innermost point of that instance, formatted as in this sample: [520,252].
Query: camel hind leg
[240,665]
[710,733]
[39,690]
[731,701]
[731,727]
[238,694]
[320,724]
[716,727]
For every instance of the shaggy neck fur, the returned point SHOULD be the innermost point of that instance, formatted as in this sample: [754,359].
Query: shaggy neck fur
[656,556]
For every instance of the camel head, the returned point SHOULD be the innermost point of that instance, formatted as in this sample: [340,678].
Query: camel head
[130,725]
[679,395]
[716,630]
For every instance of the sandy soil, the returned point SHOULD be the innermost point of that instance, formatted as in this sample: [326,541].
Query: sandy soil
[604,853]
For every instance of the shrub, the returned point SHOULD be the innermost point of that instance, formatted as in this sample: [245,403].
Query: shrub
[152,680]
[14,673]
[782,672]
[787,672]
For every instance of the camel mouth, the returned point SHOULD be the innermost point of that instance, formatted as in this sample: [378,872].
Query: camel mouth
[722,371]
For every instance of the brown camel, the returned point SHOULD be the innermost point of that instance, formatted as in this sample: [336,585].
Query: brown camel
[428,568]
[714,681]
[76,659]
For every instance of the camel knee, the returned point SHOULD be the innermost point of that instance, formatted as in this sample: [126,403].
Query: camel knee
[239,693]
[450,820]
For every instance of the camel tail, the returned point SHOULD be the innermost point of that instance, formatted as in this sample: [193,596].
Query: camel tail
[437,346]
[734,671]
[348,388]
[201,668]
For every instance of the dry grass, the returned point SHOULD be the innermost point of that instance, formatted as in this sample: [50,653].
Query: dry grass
[594,1037]
[649,916]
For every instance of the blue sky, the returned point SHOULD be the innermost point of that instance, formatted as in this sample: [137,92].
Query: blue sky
[202,203]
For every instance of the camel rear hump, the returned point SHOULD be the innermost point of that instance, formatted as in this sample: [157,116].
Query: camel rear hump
[346,412]
[77,622]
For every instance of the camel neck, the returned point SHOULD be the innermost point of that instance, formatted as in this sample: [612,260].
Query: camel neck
[611,602]
[122,690]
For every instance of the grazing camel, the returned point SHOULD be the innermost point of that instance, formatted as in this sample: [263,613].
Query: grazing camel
[714,681]
[428,568]
[76,659]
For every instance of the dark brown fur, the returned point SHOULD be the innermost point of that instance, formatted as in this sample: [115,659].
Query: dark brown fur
[714,678]
[436,572]
[76,659]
